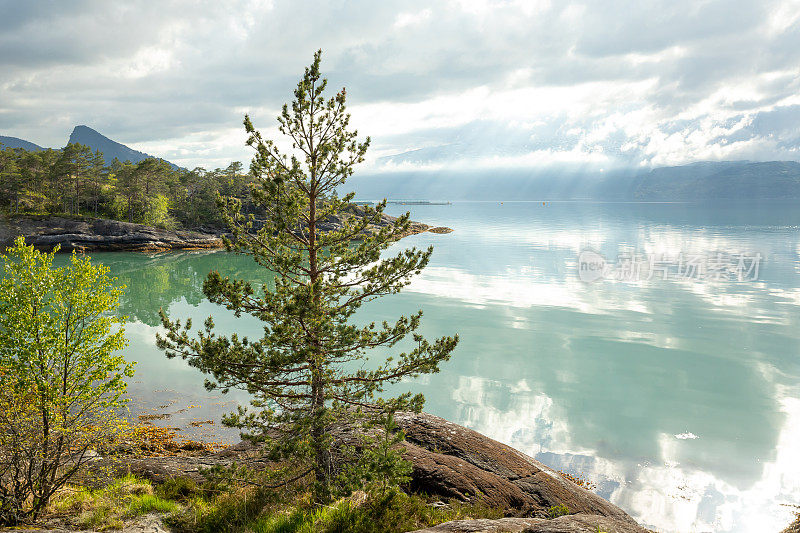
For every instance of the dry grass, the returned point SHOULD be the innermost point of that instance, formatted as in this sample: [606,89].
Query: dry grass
[162,441]
[579,480]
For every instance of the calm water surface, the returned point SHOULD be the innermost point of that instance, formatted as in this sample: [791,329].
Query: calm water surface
[679,398]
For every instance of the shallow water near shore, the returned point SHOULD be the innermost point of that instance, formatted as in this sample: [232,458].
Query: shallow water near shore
[678,397]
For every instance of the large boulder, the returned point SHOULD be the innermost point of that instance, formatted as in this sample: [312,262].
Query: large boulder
[457,462]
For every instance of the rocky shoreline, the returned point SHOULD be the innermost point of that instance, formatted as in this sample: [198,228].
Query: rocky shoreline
[100,235]
[449,461]
[85,234]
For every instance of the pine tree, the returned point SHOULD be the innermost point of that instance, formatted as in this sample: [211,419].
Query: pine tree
[35,169]
[98,175]
[70,173]
[128,185]
[10,177]
[307,374]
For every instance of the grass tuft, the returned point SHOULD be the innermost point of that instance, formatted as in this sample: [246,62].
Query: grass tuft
[227,512]
[189,507]
[107,508]
[393,513]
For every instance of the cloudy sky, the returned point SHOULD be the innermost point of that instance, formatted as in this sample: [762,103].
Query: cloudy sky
[461,83]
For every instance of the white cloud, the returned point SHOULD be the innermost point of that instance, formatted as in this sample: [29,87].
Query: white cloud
[412,19]
[512,83]
[665,494]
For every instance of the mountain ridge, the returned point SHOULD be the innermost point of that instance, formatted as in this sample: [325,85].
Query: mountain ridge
[110,149]
[698,181]
[95,140]
[16,142]
[724,181]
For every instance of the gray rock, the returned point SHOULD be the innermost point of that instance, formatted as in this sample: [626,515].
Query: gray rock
[147,524]
[95,234]
[101,235]
[579,523]
[144,524]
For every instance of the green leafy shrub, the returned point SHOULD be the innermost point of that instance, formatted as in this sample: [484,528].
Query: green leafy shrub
[156,213]
[62,379]
[558,510]
[118,207]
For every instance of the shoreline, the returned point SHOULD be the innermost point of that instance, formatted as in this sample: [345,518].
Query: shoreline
[88,234]
[452,465]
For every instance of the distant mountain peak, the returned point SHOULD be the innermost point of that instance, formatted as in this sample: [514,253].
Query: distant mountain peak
[110,149]
[84,132]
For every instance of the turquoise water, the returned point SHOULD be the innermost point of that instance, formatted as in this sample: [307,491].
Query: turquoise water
[678,397]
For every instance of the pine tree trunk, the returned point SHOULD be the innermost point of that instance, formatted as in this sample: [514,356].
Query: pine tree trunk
[322,458]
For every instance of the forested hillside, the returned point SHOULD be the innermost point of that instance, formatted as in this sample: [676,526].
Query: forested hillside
[78,181]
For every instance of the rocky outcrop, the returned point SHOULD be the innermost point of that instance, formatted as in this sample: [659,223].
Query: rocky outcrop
[97,234]
[160,468]
[151,523]
[351,211]
[457,462]
[578,523]
[103,235]
[452,462]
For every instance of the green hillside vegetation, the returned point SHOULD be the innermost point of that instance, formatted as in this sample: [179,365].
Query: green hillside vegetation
[78,181]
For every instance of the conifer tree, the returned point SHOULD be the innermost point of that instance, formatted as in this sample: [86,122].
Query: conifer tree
[71,170]
[9,179]
[308,375]
[98,175]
